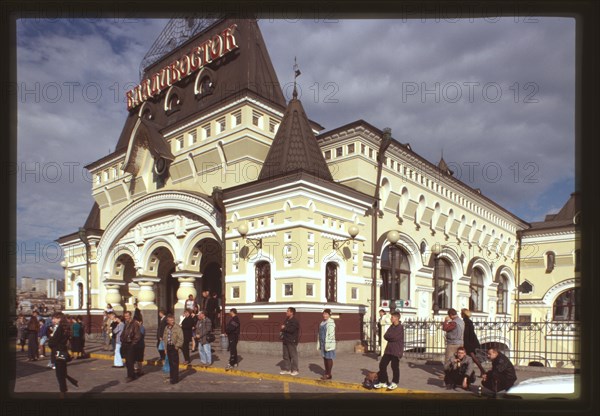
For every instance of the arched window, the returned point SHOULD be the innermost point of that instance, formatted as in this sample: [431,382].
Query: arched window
[263,281]
[80,294]
[476,290]
[565,306]
[331,282]
[550,261]
[398,288]
[442,274]
[502,294]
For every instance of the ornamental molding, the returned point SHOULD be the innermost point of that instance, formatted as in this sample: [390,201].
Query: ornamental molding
[555,290]
[149,205]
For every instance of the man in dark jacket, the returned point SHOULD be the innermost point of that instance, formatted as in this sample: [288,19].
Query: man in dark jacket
[209,305]
[290,332]
[233,335]
[393,352]
[502,375]
[130,337]
[162,324]
[471,342]
[187,326]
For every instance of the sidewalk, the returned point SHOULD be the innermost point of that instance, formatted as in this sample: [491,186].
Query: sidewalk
[349,369]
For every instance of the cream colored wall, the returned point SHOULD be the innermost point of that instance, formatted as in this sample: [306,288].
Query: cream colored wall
[533,270]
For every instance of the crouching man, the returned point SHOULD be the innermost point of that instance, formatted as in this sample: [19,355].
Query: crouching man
[459,370]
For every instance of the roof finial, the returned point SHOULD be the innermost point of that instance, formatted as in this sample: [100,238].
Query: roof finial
[296,75]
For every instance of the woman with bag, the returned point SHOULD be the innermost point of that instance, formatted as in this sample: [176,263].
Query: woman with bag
[118,361]
[58,344]
[326,342]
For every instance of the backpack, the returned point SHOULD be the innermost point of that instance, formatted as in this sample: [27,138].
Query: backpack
[370,380]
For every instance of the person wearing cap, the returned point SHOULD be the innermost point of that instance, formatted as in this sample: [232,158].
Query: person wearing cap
[454,327]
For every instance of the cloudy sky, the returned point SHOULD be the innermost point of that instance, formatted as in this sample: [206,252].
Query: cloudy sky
[497,96]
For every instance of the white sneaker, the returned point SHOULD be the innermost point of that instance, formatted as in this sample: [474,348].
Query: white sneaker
[392,386]
[294,373]
[380,385]
[285,372]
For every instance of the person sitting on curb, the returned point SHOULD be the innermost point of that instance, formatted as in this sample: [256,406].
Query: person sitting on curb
[502,376]
[459,370]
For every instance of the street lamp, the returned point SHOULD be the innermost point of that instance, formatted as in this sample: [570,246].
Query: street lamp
[86,242]
[436,250]
[352,231]
[393,237]
[256,242]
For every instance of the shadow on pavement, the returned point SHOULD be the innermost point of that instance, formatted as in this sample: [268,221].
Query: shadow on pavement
[317,369]
[100,388]
[430,367]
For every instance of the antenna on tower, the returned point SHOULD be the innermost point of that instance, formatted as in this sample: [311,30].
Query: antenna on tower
[296,75]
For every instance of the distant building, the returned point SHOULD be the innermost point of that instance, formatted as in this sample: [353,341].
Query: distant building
[26,284]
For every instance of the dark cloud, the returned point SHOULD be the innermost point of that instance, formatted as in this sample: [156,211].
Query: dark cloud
[353,69]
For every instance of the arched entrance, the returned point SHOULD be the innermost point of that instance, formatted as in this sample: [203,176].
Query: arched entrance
[125,270]
[166,291]
[208,250]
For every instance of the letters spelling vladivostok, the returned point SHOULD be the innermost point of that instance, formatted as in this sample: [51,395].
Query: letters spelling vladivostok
[206,52]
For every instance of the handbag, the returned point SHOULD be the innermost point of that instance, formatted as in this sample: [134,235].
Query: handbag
[165,368]
[210,337]
[161,345]
[63,356]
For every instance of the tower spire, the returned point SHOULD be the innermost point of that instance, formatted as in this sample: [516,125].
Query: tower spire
[296,75]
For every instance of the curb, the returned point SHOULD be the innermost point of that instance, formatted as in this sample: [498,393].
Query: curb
[277,377]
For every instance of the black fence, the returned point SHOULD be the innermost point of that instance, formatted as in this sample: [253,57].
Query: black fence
[536,343]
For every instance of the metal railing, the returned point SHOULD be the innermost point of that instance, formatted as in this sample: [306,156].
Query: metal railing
[536,343]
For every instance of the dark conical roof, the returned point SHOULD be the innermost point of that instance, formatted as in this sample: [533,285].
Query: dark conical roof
[295,147]
[443,166]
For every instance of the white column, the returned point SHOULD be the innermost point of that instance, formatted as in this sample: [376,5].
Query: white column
[113,294]
[186,288]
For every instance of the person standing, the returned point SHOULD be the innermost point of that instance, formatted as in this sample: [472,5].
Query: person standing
[173,339]
[139,349]
[233,335]
[190,303]
[105,329]
[454,327]
[137,313]
[471,343]
[130,337]
[33,328]
[384,319]
[21,331]
[290,331]
[113,325]
[394,350]
[203,328]
[326,342]
[117,331]
[58,344]
[76,330]
[459,370]
[209,306]
[162,324]
[502,375]
[187,326]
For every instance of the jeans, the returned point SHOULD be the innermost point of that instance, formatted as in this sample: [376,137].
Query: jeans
[129,350]
[205,354]
[290,356]
[32,346]
[385,360]
[173,356]
[61,375]
[118,361]
[233,351]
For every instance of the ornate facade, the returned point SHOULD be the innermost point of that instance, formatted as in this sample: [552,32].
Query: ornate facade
[218,170]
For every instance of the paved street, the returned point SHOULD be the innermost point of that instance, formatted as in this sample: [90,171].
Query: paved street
[256,374]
